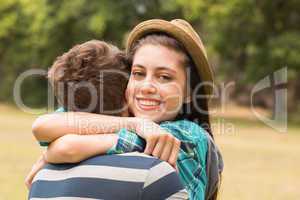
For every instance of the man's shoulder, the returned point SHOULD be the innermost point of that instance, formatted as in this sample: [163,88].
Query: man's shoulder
[99,177]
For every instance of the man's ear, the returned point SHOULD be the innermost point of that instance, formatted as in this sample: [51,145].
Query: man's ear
[126,95]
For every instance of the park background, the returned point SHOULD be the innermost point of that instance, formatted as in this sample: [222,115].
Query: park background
[246,41]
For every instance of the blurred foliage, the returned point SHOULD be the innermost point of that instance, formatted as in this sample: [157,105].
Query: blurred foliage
[246,40]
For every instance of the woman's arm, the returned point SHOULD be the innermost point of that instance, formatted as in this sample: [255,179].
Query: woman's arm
[72,149]
[49,127]
[159,142]
[75,148]
[38,165]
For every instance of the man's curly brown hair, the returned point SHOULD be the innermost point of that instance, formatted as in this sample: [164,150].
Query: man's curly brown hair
[91,77]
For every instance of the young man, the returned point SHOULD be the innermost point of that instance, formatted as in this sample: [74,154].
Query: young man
[92,77]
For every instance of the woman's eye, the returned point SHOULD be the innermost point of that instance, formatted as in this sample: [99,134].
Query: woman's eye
[137,74]
[165,78]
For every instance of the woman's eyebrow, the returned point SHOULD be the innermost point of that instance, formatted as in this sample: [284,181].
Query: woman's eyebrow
[161,68]
[138,65]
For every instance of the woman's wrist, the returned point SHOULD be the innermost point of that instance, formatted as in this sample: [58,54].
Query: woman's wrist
[145,127]
[133,124]
[127,141]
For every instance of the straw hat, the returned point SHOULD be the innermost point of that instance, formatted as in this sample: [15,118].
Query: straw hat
[183,32]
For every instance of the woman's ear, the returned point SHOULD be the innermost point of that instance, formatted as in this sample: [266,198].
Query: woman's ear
[187,99]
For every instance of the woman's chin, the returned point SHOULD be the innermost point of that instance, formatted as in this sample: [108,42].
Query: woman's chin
[155,117]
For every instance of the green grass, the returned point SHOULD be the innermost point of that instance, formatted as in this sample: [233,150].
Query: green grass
[259,162]
[17,152]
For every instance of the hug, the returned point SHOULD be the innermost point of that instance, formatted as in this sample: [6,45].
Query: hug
[133,124]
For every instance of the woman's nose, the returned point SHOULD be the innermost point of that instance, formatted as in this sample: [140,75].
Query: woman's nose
[148,88]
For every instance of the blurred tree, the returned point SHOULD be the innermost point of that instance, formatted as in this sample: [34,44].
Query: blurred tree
[34,32]
[251,39]
[246,40]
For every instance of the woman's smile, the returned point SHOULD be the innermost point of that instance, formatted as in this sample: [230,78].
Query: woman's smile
[149,104]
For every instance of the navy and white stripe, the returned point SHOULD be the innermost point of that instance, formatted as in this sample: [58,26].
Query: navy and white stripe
[124,176]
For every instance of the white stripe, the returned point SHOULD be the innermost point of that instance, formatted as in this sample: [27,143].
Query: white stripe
[182,194]
[157,172]
[94,171]
[64,198]
[135,153]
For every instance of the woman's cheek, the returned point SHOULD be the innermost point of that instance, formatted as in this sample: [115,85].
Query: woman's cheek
[174,98]
[174,104]
[130,93]
[129,97]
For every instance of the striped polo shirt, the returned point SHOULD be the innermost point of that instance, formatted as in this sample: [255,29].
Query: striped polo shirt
[128,176]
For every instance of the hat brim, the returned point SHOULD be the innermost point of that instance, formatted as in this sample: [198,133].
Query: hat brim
[190,44]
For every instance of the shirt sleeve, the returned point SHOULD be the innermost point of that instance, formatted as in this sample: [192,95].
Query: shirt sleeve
[191,160]
[46,144]
[127,142]
[193,139]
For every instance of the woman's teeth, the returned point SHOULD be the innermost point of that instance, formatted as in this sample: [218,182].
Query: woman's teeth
[148,103]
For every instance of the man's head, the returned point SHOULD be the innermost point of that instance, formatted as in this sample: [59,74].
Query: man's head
[91,77]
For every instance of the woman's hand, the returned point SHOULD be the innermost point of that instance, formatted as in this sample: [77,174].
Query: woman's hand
[159,143]
[40,163]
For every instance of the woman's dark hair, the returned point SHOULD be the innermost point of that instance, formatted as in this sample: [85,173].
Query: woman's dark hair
[196,111]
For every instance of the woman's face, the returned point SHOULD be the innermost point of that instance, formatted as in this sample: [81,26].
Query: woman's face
[157,84]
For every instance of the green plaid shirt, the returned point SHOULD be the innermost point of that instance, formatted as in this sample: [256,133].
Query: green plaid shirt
[191,160]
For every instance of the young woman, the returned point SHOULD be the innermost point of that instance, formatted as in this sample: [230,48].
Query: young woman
[103,67]
[169,71]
